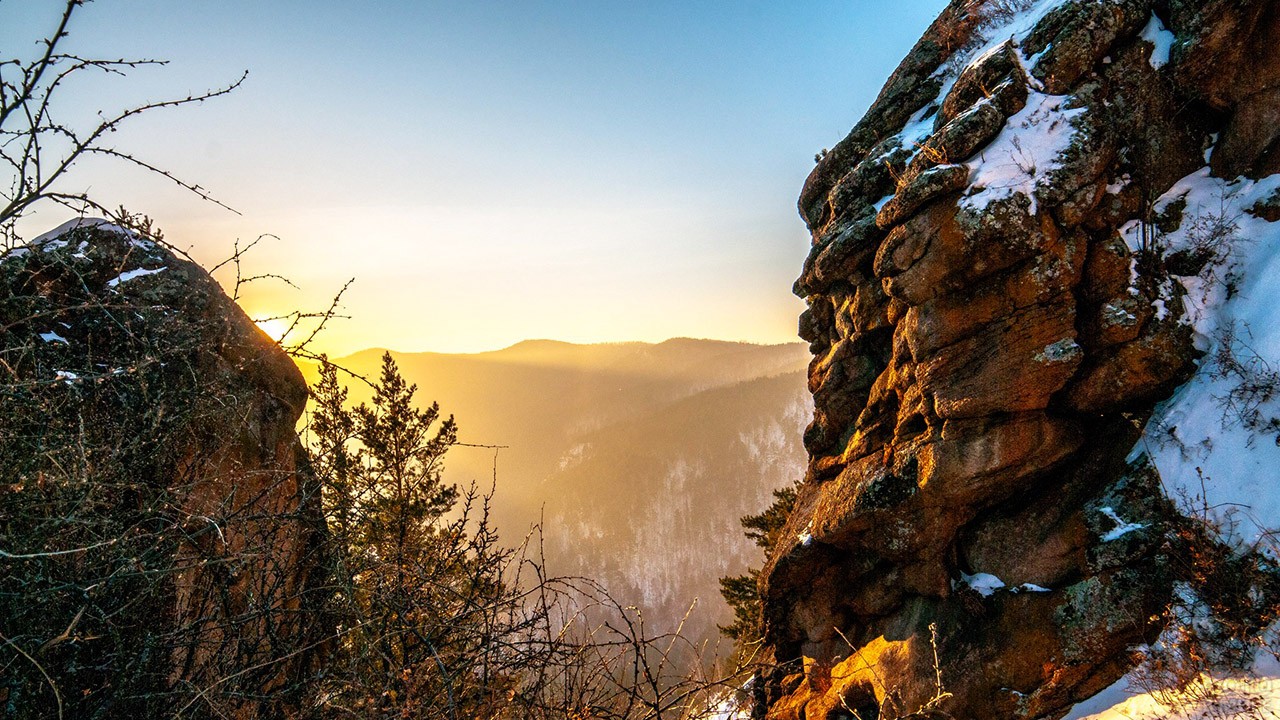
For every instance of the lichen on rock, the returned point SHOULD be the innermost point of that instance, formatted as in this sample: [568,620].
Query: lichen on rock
[987,352]
[153,484]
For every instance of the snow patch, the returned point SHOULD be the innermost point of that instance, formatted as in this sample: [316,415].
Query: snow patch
[1061,351]
[985,583]
[1120,184]
[919,127]
[1161,40]
[128,275]
[1024,154]
[1121,529]
[49,241]
[1213,143]
[1115,315]
[1212,460]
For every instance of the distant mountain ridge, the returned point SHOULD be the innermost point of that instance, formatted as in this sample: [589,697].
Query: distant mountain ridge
[598,436]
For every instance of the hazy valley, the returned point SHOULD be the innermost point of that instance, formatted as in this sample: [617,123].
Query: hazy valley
[639,459]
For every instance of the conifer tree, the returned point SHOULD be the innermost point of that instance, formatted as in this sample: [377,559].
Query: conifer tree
[418,580]
[740,591]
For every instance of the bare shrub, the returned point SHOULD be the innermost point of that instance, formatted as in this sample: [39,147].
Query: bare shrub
[1222,617]
[1254,383]
[971,27]
[435,618]
[1211,242]
[40,147]
[133,581]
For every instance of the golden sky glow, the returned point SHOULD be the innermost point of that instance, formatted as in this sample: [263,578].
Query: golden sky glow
[489,172]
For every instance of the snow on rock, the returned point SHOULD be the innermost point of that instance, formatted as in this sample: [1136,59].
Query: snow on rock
[130,362]
[1214,442]
[1069,146]
[985,583]
[806,536]
[1015,27]
[1161,40]
[1120,184]
[50,240]
[1121,529]
[1022,156]
[1026,150]
[131,274]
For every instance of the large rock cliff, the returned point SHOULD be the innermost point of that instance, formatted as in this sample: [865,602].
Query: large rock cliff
[993,319]
[161,531]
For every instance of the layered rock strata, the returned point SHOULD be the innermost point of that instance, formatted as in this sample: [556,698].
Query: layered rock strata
[987,349]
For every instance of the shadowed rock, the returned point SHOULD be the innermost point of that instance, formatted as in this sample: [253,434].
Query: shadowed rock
[155,424]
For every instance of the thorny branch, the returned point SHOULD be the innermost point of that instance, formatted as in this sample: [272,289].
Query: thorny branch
[38,150]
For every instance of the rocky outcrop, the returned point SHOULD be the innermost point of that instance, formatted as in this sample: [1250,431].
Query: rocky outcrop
[154,485]
[988,347]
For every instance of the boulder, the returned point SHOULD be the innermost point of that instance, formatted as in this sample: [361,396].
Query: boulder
[163,421]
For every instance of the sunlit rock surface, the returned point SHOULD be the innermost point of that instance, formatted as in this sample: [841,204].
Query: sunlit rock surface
[990,336]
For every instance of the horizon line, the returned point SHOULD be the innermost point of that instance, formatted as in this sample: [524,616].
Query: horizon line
[569,343]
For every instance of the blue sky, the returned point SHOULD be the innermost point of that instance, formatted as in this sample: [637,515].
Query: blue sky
[489,172]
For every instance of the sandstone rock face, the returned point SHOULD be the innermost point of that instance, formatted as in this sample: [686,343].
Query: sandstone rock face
[987,350]
[150,431]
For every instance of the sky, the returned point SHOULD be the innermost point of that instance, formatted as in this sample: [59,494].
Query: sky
[487,172]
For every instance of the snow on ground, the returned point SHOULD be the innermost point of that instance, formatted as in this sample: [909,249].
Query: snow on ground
[1214,442]
[1255,698]
[1211,441]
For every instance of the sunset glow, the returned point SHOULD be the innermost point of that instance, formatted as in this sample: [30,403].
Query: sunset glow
[277,329]
[579,171]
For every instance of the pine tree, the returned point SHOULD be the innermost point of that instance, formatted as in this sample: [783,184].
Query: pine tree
[741,591]
[419,589]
